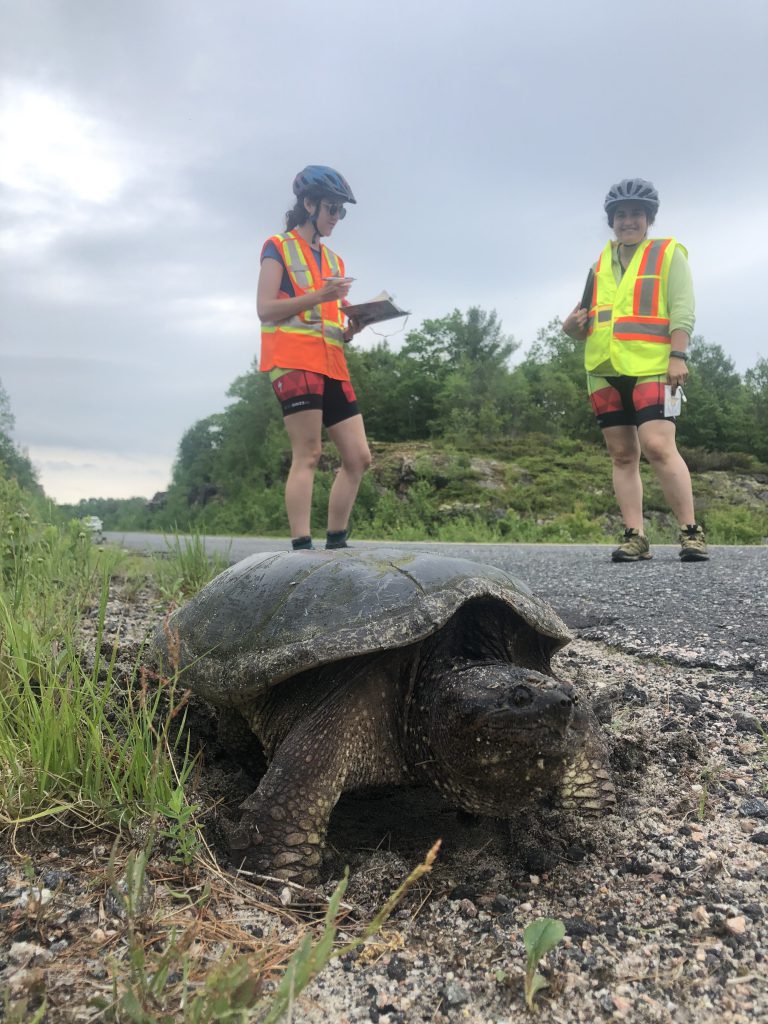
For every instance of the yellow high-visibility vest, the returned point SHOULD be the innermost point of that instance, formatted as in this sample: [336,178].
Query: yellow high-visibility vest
[314,338]
[628,323]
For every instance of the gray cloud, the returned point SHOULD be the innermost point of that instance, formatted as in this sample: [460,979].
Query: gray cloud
[480,139]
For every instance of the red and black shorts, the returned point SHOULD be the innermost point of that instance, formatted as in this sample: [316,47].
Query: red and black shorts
[627,401]
[300,390]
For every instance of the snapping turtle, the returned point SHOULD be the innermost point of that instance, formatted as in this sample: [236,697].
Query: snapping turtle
[383,667]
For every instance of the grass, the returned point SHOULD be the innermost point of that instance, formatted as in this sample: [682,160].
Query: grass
[155,982]
[77,742]
[187,568]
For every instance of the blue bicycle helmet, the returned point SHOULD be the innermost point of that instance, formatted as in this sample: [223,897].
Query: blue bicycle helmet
[318,180]
[632,190]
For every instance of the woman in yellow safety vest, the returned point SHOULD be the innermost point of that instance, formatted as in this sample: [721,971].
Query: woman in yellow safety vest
[637,316]
[302,286]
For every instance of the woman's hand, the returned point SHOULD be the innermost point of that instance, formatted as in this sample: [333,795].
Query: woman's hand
[353,327]
[332,291]
[272,308]
[677,373]
[575,324]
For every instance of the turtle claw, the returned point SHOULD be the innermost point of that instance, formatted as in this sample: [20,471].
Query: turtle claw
[240,835]
[293,857]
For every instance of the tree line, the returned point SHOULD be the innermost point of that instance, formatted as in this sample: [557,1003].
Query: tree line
[15,464]
[453,382]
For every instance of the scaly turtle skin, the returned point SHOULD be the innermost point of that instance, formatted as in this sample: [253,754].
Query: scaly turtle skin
[383,667]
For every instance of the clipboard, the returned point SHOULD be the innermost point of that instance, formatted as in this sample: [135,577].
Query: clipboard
[586,298]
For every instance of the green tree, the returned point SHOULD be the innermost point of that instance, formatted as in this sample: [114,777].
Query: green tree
[716,416]
[115,513]
[451,381]
[7,421]
[14,463]
[463,361]
[550,389]
[475,338]
[193,479]
[396,392]
[252,446]
[756,388]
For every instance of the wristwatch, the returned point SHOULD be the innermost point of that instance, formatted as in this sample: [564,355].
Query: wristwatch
[679,355]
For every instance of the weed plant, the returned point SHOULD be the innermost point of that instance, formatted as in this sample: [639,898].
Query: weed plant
[539,937]
[187,568]
[78,740]
[77,743]
[47,573]
[154,984]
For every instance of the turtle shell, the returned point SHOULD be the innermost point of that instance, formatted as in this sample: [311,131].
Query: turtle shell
[271,616]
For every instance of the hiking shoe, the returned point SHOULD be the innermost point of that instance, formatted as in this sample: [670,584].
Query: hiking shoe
[693,546]
[633,548]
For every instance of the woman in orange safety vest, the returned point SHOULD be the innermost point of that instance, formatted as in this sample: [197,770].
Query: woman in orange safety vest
[636,317]
[302,286]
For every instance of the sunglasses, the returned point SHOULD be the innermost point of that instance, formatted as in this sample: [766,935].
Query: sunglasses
[335,208]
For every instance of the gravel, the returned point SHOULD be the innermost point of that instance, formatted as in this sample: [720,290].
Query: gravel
[665,902]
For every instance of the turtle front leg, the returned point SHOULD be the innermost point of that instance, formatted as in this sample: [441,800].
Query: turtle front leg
[324,739]
[283,826]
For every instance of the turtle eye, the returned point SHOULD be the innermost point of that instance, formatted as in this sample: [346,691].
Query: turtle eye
[521,696]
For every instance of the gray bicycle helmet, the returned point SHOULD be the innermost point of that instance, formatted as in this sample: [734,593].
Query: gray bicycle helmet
[318,180]
[635,190]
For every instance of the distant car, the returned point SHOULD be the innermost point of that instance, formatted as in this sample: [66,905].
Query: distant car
[95,525]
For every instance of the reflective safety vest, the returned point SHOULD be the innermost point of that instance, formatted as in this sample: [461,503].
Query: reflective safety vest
[628,323]
[312,340]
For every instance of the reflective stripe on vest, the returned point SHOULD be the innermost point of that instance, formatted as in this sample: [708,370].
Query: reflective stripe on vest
[628,323]
[313,339]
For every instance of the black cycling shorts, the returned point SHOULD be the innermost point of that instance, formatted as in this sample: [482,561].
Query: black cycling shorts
[300,390]
[627,401]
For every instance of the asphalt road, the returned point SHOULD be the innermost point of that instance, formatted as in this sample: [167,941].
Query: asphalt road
[707,613]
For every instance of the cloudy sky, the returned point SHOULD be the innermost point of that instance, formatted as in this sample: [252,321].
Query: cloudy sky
[147,149]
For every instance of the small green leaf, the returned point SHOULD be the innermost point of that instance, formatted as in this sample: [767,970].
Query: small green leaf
[539,937]
[542,935]
[131,1005]
[532,987]
[247,993]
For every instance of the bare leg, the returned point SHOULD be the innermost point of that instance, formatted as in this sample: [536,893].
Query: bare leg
[657,439]
[304,429]
[624,448]
[349,438]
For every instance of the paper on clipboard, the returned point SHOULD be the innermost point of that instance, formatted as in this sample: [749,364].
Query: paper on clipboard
[381,307]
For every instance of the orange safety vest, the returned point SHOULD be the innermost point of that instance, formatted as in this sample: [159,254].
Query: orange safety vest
[628,323]
[312,340]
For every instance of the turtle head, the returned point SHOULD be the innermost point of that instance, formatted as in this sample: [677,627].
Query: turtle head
[495,735]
